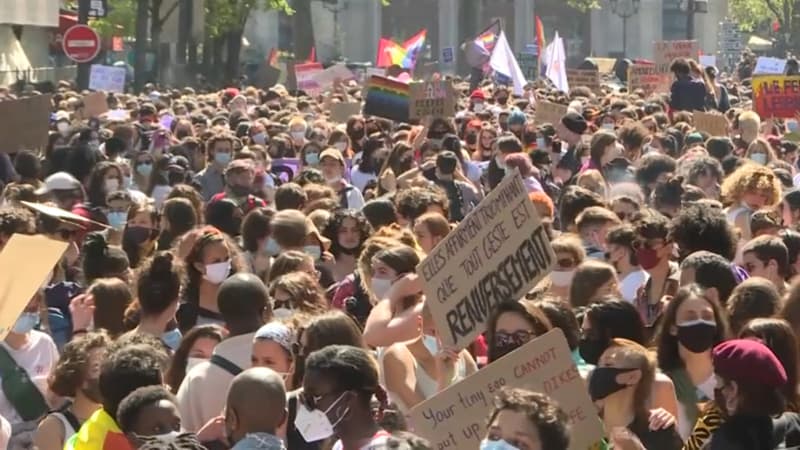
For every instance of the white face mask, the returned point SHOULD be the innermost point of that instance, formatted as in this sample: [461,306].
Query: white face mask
[217,273]
[380,287]
[111,185]
[192,362]
[166,438]
[608,126]
[282,313]
[314,425]
[333,180]
[341,146]
[63,128]
[478,108]
[314,251]
[759,158]
[260,138]
[298,135]
[561,278]
[431,344]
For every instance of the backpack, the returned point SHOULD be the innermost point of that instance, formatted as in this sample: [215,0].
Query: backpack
[19,389]
[343,196]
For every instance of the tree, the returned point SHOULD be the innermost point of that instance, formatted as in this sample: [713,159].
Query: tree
[755,14]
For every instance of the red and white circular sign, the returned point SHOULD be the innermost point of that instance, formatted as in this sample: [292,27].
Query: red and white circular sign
[81,43]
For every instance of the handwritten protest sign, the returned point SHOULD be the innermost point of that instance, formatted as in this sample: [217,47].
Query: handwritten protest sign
[456,417]
[767,65]
[496,254]
[107,78]
[645,77]
[387,98]
[24,123]
[432,99]
[667,51]
[548,112]
[340,112]
[327,77]
[21,275]
[305,74]
[776,95]
[588,78]
[708,60]
[94,105]
[713,124]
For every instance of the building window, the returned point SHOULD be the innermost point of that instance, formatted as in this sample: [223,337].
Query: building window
[673,21]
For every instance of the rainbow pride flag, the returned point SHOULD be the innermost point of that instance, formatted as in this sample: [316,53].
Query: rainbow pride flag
[413,48]
[390,53]
[99,432]
[388,98]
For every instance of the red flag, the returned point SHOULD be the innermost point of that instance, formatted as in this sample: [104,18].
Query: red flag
[272,60]
[313,56]
[384,58]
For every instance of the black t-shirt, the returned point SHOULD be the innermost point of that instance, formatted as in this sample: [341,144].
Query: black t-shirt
[664,439]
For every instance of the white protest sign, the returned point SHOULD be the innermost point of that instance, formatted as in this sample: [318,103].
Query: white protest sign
[456,417]
[107,78]
[708,60]
[496,254]
[327,77]
[767,65]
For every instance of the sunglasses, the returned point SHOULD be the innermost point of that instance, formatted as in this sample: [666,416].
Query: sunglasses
[515,338]
[566,263]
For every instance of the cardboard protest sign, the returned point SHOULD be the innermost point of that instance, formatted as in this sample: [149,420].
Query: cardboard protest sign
[24,123]
[708,60]
[61,214]
[548,112]
[667,51]
[432,99]
[713,124]
[776,95]
[646,78]
[340,112]
[107,78]
[766,65]
[496,254]
[21,275]
[305,74]
[94,105]
[588,78]
[327,77]
[604,65]
[387,98]
[456,417]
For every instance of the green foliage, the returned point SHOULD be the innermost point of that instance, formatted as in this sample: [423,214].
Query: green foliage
[584,5]
[227,15]
[121,19]
[750,14]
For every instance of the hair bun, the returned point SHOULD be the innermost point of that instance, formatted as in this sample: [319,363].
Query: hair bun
[162,266]
[95,244]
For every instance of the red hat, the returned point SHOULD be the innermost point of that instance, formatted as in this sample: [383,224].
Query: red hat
[475,124]
[748,360]
[477,94]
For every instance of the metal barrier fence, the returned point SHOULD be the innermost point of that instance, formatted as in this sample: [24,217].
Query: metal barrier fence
[38,74]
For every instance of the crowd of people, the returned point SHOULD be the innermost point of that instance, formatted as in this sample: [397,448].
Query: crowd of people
[240,269]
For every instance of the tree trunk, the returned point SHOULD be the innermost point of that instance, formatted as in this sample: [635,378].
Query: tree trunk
[184,30]
[155,38]
[234,49]
[218,61]
[303,29]
[140,47]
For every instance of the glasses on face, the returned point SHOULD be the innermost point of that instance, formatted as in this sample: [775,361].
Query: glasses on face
[518,337]
[566,263]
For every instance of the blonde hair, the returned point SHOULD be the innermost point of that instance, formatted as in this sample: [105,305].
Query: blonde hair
[569,243]
[593,180]
[761,146]
[749,123]
[751,178]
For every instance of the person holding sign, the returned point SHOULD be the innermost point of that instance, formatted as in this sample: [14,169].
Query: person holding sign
[621,386]
[417,370]
[687,93]
[526,420]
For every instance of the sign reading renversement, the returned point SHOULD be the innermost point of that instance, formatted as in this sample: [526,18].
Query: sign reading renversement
[456,417]
[776,95]
[496,254]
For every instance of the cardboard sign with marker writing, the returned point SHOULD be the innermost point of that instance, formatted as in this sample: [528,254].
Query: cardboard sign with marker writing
[24,123]
[340,112]
[667,51]
[713,124]
[94,105]
[432,99]
[547,112]
[776,95]
[22,275]
[646,78]
[496,254]
[588,78]
[456,417]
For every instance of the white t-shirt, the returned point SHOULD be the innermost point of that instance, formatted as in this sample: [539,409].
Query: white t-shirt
[38,358]
[631,283]
[360,179]
[378,442]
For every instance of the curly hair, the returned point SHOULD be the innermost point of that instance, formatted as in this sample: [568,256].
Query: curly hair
[698,227]
[16,220]
[335,224]
[751,178]
[550,420]
[73,364]
[304,291]
[132,405]
[414,202]
[347,368]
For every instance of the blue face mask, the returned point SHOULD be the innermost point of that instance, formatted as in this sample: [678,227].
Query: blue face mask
[172,338]
[314,251]
[431,344]
[27,321]
[312,159]
[222,158]
[144,169]
[496,445]
[117,219]
[271,247]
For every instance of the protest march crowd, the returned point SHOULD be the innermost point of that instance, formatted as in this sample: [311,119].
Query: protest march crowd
[392,263]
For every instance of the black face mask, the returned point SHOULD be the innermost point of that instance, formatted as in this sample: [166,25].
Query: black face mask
[137,235]
[357,135]
[697,336]
[502,100]
[472,139]
[603,382]
[591,349]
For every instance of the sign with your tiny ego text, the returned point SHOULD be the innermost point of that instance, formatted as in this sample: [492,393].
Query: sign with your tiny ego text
[456,417]
[496,254]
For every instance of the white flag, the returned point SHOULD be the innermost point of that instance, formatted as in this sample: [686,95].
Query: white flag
[504,62]
[556,62]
